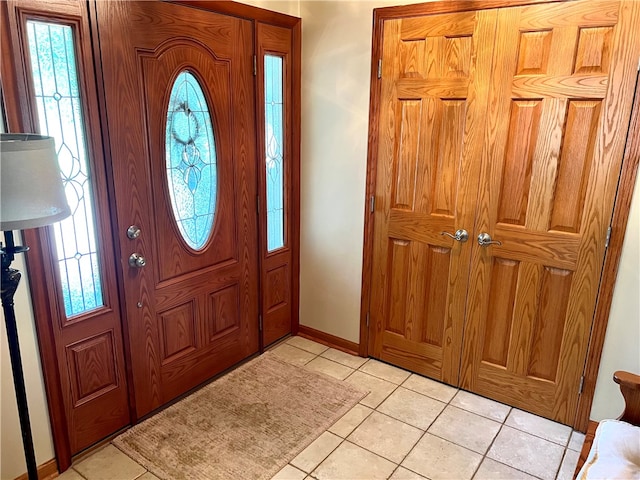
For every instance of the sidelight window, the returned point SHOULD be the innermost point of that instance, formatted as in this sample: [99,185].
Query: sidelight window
[274,146]
[60,115]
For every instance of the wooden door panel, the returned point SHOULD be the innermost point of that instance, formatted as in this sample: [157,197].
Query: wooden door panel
[191,313]
[93,367]
[432,108]
[553,147]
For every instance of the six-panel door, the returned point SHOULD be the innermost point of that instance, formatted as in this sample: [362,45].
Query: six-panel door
[560,102]
[432,112]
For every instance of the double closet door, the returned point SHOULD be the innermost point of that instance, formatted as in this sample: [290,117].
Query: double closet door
[500,139]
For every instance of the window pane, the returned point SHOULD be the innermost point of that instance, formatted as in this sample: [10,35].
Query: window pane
[191,161]
[55,78]
[274,155]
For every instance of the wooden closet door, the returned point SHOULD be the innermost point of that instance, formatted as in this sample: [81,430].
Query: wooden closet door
[560,101]
[432,114]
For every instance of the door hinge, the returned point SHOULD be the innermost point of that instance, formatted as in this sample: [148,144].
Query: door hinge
[380,68]
[581,387]
[260,322]
[255,65]
[367,319]
[639,64]
[608,239]
[372,203]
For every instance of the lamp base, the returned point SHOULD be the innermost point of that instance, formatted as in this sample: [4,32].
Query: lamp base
[10,281]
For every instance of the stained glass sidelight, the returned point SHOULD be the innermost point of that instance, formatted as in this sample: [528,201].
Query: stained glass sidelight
[191,161]
[274,155]
[55,80]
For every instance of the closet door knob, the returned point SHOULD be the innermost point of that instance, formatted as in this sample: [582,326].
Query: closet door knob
[484,239]
[460,235]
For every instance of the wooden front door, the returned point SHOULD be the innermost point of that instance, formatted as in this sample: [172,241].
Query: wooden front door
[560,102]
[191,304]
[433,106]
[531,159]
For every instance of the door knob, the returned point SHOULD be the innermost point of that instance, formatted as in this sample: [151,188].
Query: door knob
[137,261]
[460,235]
[484,239]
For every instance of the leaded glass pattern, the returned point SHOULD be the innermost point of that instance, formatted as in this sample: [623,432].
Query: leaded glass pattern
[274,154]
[55,80]
[191,161]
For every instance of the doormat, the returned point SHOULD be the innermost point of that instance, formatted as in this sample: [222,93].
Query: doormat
[246,425]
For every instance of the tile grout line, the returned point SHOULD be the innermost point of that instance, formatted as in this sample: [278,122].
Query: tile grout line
[342,440]
[498,461]
[331,361]
[427,429]
[502,423]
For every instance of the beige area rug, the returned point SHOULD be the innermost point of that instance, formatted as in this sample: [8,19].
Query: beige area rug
[246,425]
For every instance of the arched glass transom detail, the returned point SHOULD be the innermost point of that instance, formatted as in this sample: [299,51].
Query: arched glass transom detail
[191,161]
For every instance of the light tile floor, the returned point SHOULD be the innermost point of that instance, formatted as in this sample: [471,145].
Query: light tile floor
[407,427]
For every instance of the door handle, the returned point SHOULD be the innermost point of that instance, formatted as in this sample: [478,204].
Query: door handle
[460,235]
[484,239]
[137,261]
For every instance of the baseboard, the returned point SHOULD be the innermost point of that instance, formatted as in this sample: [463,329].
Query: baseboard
[329,340]
[46,471]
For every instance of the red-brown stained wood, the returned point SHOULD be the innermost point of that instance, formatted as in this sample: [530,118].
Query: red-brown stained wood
[178,331]
[277,273]
[172,354]
[21,116]
[82,356]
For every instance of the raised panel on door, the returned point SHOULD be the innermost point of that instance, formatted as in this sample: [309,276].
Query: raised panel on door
[560,102]
[179,94]
[431,116]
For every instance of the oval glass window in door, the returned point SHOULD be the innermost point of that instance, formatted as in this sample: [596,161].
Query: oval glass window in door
[191,161]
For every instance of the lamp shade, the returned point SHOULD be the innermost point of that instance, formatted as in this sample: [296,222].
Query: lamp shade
[31,194]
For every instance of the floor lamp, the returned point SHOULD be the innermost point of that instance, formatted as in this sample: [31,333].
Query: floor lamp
[31,195]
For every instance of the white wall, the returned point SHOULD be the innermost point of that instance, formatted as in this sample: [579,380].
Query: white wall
[281,6]
[336,59]
[622,341]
